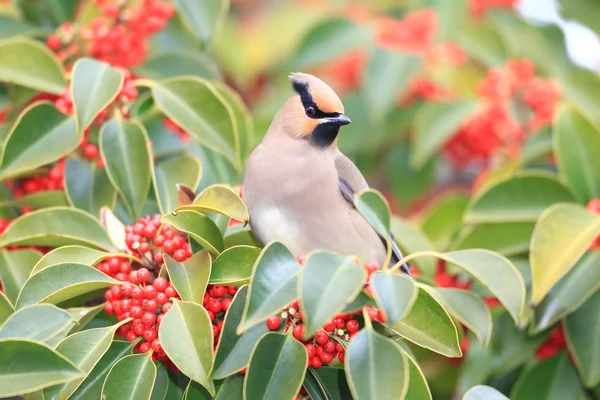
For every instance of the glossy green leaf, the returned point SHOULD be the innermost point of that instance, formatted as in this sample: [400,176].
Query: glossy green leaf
[334,381]
[443,220]
[91,387]
[11,27]
[373,206]
[168,173]
[418,389]
[6,308]
[131,378]
[186,336]
[199,227]
[196,106]
[44,199]
[328,282]
[242,116]
[240,236]
[582,330]
[220,199]
[435,123]
[313,386]
[508,239]
[395,294]
[234,265]
[482,392]
[202,20]
[40,322]
[170,65]
[94,85]
[83,315]
[388,73]
[277,368]
[233,351]
[359,303]
[41,135]
[64,254]
[273,286]
[231,388]
[570,292]
[469,309]
[30,63]
[27,366]
[84,349]
[562,235]
[429,325]
[15,267]
[411,239]
[161,383]
[552,379]
[327,40]
[577,149]
[375,367]
[62,282]
[56,226]
[519,199]
[87,186]
[125,149]
[190,277]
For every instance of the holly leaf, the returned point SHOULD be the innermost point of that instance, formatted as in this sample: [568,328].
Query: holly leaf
[220,199]
[190,277]
[234,266]
[15,267]
[87,186]
[132,377]
[39,322]
[168,173]
[199,227]
[394,294]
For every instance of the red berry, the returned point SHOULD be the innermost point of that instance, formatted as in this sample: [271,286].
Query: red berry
[321,337]
[149,335]
[131,336]
[121,277]
[329,346]
[108,308]
[329,326]
[166,307]
[158,257]
[150,231]
[341,357]
[214,305]
[54,42]
[144,247]
[139,329]
[125,267]
[126,289]
[90,151]
[151,305]
[298,332]
[150,292]
[218,291]
[211,315]
[170,292]
[133,277]
[232,290]
[116,292]
[326,357]
[161,298]
[180,255]
[136,311]
[339,323]
[311,350]
[156,346]
[143,275]
[316,362]
[273,322]
[114,264]
[126,305]
[159,240]
[352,326]
[160,284]
[144,347]
[168,246]
[148,319]
[159,318]
[339,348]
[225,303]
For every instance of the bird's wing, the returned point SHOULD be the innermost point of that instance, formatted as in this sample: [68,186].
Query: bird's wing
[351,181]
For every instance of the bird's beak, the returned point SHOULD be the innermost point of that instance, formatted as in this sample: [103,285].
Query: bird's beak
[339,120]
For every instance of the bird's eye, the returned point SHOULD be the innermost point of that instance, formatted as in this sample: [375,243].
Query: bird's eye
[310,111]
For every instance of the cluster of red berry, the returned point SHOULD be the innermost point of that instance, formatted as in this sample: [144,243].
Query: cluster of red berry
[415,33]
[50,180]
[479,7]
[593,206]
[150,239]
[555,343]
[119,36]
[217,300]
[143,301]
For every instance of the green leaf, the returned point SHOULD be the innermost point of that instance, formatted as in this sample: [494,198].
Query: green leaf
[30,63]
[328,40]
[313,386]
[125,149]
[15,267]
[418,389]
[84,349]
[41,135]
[186,336]
[169,173]
[132,377]
[196,106]
[411,239]
[11,27]
[161,383]
[91,388]
[443,220]
[234,266]
[83,315]
[191,276]
[6,308]
[334,381]
[87,186]
[64,254]
[429,325]
[202,20]
[551,379]
[240,236]
[277,368]
[170,65]
[469,309]
[220,199]
[482,392]
[375,367]
[231,388]
[62,282]
[200,228]
[495,272]
[40,322]
[373,206]
[233,350]
[328,283]
[570,292]
[44,199]
[27,366]
[94,85]
[56,226]
[395,294]
[577,150]
[388,73]
[562,235]
[582,11]
[518,199]
[508,239]
[273,286]
[435,123]
[359,303]
[582,331]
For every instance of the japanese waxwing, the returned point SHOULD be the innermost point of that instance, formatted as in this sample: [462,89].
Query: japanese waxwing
[298,186]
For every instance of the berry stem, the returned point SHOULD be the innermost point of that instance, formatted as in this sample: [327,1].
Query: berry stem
[388,256]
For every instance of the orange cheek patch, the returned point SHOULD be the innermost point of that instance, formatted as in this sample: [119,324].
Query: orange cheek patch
[309,125]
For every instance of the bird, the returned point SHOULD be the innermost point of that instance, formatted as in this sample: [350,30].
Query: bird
[299,187]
